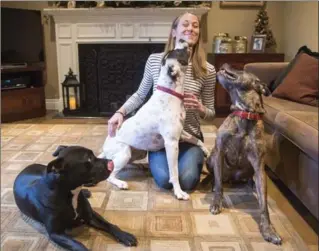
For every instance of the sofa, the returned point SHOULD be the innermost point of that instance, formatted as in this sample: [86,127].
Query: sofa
[291,127]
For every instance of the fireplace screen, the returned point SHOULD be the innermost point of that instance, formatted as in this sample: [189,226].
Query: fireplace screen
[110,73]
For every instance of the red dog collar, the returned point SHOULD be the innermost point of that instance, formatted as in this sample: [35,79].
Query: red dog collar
[170,91]
[247,115]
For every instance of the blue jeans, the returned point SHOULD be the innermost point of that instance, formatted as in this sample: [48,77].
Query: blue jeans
[190,165]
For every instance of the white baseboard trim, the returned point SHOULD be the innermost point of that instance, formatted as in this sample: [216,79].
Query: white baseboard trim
[54,104]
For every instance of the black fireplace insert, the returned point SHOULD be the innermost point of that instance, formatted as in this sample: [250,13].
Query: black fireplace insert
[110,74]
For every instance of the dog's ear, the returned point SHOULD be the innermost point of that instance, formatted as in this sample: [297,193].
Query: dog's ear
[52,179]
[262,88]
[55,165]
[58,150]
[164,59]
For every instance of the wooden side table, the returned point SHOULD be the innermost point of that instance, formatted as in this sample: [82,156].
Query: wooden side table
[236,60]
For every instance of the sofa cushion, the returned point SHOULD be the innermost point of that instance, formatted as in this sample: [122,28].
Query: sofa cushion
[303,49]
[301,83]
[297,122]
[292,126]
[274,105]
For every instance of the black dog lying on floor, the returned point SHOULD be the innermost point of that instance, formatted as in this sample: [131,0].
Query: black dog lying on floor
[53,196]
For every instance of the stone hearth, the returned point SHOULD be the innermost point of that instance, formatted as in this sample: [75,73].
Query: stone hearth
[108,26]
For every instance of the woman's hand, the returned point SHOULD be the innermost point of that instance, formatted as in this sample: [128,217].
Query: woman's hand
[192,103]
[115,122]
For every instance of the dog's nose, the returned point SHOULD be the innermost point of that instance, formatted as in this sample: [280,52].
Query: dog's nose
[110,166]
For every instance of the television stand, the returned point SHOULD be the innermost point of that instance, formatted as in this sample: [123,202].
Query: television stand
[26,102]
[14,66]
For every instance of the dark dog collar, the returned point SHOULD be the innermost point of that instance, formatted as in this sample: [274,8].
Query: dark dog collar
[170,91]
[248,115]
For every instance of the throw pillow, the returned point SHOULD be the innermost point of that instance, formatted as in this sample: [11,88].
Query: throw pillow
[303,49]
[301,83]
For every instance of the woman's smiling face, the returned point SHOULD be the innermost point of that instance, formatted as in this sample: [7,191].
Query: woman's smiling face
[187,29]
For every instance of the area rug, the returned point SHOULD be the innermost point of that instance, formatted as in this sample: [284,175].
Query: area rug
[160,222]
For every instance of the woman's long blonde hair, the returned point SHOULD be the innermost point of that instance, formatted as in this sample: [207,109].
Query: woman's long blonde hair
[199,66]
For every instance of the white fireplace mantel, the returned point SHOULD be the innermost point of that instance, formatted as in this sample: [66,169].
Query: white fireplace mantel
[107,25]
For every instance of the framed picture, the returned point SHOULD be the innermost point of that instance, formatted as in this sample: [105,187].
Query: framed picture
[258,43]
[242,4]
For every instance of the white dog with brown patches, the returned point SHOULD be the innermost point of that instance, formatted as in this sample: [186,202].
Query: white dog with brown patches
[157,124]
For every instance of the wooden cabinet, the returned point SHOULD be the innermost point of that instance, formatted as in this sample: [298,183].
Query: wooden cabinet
[236,60]
[24,103]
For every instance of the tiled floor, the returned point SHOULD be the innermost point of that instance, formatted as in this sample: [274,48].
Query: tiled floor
[159,221]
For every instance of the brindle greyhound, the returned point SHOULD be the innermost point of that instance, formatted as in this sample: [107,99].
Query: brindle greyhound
[240,146]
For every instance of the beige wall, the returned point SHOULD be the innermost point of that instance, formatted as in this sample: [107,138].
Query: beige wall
[300,27]
[31,5]
[292,27]
[241,22]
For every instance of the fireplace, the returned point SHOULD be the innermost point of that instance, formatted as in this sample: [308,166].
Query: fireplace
[107,49]
[110,73]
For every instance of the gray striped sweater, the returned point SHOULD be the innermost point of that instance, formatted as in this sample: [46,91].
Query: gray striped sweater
[202,88]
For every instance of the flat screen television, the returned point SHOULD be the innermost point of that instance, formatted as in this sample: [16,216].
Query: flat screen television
[21,36]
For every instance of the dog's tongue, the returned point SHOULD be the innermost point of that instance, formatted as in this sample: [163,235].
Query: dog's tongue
[110,166]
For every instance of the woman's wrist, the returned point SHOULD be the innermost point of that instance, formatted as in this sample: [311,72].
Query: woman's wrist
[120,112]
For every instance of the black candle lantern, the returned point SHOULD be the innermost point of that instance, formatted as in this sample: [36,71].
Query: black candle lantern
[71,93]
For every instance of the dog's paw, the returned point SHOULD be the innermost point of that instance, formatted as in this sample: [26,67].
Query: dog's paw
[206,152]
[126,238]
[216,206]
[121,184]
[86,192]
[269,233]
[181,195]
